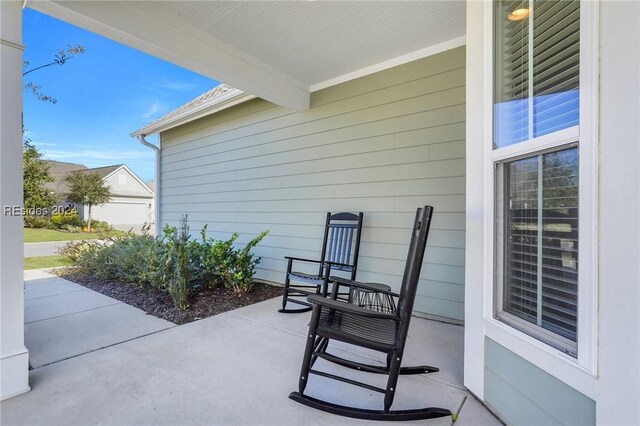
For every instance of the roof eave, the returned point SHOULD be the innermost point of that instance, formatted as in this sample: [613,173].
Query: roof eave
[227,100]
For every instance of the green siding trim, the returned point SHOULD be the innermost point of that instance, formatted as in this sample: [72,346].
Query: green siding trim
[523,394]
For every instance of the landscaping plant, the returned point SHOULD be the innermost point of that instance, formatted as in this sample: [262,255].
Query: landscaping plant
[235,267]
[87,189]
[174,262]
[66,219]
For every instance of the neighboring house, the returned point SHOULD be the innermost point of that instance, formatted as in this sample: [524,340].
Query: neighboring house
[132,201]
[151,184]
[59,170]
[381,107]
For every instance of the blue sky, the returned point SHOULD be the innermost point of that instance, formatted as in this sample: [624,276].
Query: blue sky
[103,95]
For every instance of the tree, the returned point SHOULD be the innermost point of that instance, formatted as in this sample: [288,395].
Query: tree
[35,171]
[60,58]
[87,189]
[36,176]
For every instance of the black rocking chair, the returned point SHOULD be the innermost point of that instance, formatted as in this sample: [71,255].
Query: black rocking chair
[370,319]
[340,248]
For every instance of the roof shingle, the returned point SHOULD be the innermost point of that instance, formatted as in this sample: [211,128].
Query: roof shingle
[60,170]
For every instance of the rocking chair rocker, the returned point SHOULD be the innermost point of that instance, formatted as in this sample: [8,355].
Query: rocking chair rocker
[370,319]
[340,248]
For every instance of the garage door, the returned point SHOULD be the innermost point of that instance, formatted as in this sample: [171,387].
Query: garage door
[119,213]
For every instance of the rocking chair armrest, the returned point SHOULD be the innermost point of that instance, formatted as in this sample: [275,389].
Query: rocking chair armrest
[301,259]
[348,307]
[375,287]
[331,264]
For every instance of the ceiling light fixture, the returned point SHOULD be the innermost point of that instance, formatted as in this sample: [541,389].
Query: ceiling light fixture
[518,14]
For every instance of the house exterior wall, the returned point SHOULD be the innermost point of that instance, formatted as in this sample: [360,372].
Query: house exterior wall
[122,182]
[525,394]
[531,386]
[130,206]
[124,212]
[382,144]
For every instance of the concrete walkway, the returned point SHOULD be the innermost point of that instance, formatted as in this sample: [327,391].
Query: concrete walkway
[64,319]
[234,368]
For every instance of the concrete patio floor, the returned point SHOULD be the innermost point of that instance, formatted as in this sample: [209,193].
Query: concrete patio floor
[234,368]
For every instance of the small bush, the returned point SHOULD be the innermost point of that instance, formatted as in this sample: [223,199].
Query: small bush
[71,228]
[68,218]
[51,225]
[174,262]
[128,258]
[36,221]
[96,226]
[88,256]
[234,267]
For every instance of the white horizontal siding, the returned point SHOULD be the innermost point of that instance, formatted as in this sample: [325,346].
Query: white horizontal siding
[123,183]
[383,144]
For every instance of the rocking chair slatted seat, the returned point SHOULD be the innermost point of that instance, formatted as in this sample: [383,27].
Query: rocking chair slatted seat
[373,296]
[340,248]
[380,330]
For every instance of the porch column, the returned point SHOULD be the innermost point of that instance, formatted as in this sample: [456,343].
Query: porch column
[618,392]
[14,357]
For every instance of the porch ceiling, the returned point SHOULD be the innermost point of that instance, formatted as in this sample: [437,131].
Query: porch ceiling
[279,51]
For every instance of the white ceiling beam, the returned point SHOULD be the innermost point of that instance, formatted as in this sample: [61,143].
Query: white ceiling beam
[162,36]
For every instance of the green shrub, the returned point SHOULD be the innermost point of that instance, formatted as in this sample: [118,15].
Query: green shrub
[36,221]
[97,226]
[234,267]
[88,256]
[174,262]
[51,225]
[128,258]
[68,218]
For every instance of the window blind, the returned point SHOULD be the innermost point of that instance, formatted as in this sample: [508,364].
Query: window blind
[541,256]
[559,221]
[556,65]
[521,290]
[537,61]
[511,105]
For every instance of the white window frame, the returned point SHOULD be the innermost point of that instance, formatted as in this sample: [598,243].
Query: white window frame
[580,372]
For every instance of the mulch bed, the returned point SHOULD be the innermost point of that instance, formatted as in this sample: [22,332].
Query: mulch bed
[205,302]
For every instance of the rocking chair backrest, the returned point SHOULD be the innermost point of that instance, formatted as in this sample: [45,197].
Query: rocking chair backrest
[341,242]
[412,270]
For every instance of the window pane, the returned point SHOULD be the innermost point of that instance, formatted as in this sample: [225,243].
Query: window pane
[556,62]
[536,70]
[521,292]
[560,243]
[541,241]
[511,73]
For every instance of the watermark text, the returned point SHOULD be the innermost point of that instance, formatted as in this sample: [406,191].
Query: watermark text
[38,211]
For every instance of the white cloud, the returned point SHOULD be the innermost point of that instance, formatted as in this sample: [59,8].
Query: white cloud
[154,110]
[178,86]
[96,157]
[43,145]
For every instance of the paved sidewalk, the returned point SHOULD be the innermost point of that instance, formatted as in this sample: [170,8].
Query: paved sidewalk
[64,319]
[43,249]
[233,368]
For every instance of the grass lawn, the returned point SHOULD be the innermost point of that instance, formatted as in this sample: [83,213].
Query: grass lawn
[46,262]
[32,235]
